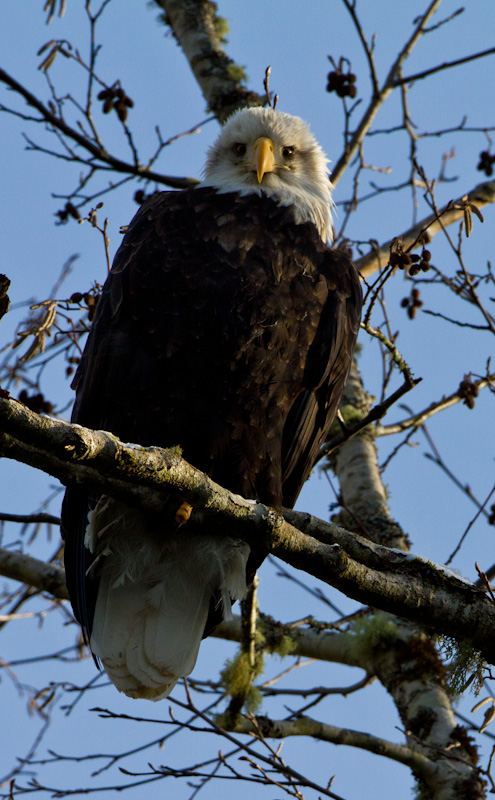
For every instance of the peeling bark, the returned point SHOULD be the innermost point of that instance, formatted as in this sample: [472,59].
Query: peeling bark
[400,653]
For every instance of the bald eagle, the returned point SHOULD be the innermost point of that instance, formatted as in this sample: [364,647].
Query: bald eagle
[226,326]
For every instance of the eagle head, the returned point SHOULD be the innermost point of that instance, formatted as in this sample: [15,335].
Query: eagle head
[260,150]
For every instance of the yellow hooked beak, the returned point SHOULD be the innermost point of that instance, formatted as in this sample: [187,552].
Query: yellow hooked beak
[264,160]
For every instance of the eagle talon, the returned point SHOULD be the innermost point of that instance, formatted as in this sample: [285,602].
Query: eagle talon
[340,419]
[183,513]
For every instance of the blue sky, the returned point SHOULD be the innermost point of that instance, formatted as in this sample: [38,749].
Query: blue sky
[295,38]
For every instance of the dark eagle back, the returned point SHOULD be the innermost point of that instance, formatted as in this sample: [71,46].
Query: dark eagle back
[227,329]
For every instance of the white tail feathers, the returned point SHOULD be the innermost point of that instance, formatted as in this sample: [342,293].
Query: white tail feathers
[154,596]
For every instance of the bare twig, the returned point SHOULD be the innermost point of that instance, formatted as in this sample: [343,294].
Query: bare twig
[446,65]
[379,97]
[102,156]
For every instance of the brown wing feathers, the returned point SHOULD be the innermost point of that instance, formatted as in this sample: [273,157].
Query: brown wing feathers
[224,328]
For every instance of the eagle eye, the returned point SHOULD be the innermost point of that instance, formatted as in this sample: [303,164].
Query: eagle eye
[288,152]
[239,149]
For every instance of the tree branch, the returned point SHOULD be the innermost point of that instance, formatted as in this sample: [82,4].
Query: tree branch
[481,195]
[401,654]
[305,726]
[28,519]
[446,65]
[379,97]
[146,477]
[96,150]
[26,569]
[196,27]
[416,420]
[306,642]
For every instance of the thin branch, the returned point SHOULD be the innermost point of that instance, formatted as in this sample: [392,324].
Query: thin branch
[457,322]
[378,99]
[470,525]
[351,7]
[446,65]
[272,760]
[322,691]
[417,420]
[27,519]
[98,152]
[437,459]
[377,412]
[481,195]
[305,726]
[395,355]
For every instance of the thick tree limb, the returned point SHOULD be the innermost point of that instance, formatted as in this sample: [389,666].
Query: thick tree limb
[305,726]
[334,646]
[26,569]
[323,645]
[195,25]
[400,653]
[147,477]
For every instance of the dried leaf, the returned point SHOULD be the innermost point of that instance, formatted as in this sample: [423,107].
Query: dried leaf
[481,704]
[38,327]
[474,208]
[46,46]
[468,220]
[489,716]
[45,321]
[46,695]
[50,6]
[48,61]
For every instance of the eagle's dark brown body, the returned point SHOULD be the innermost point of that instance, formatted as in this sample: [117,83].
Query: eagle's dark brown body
[224,328]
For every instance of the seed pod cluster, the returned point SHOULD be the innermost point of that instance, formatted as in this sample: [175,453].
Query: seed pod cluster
[413,262]
[90,300]
[420,262]
[486,163]
[412,303]
[342,83]
[72,362]
[115,98]
[69,210]
[491,518]
[468,390]
[36,402]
